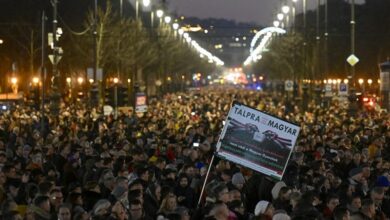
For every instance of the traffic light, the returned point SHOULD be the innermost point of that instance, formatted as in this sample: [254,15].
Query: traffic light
[109,96]
[122,96]
[94,95]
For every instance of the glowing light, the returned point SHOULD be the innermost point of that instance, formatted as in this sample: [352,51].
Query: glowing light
[115,80]
[146,3]
[285,9]
[167,19]
[14,80]
[159,13]
[35,80]
[80,80]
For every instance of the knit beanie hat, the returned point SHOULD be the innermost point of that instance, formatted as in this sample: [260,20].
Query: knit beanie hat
[276,189]
[261,207]
[238,178]
[281,216]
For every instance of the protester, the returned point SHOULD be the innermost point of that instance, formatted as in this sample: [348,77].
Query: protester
[81,164]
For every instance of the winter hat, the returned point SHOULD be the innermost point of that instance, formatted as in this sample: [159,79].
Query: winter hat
[261,207]
[118,192]
[238,178]
[355,171]
[276,189]
[281,216]
[102,204]
[382,181]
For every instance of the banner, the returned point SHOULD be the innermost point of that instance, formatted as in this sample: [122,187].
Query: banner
[140,103]
[257,140]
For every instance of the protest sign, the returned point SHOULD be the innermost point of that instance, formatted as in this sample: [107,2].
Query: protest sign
[257,140]
[140,103]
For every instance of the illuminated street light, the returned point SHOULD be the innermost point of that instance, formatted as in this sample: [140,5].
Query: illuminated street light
[91,81]
[35,80]
[1,41]
[68,80]
[346,81]
[276,23]
[146,3]
[128,80]
[167,19]
[175,26]
[115,80]
[186,35]
[361,81]
[14,80]
[280,16]
[181,31]
[285,9]
[80,80]
[369,81]
[159,13]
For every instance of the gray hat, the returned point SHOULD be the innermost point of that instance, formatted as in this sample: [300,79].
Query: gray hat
[238,178]
[118,192]
[276,189]
[101,205]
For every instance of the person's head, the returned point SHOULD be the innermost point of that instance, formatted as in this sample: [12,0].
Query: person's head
[355,202]
[169,203]
[107,178]
[135,209]
[220,211]
[56,198]
[155,190]
[222,192]
[235,194]
[13,215]
[237,206]
[101,208]
[368,207]
[377,193]
[136,185]
[183,180]
[119,211]
[122,181]
[143,173]
[284,193]
[238,180]
[341,213]
[281,215]
[64,212]
[332,202]
[298,157]
[42,202]
[264,208]
[356,174]
[294,198]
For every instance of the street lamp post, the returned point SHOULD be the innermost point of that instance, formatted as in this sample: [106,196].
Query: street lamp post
[293,14]
[68,82]
[326,39]
[361,83]
[116,81]
[35,83]
[353,38]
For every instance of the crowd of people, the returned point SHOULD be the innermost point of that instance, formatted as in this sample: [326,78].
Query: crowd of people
[81,164]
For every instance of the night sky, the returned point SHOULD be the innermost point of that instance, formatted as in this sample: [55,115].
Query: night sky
[261,12]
